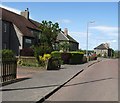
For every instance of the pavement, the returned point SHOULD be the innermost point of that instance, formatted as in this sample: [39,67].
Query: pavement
[37,85]
[97,83]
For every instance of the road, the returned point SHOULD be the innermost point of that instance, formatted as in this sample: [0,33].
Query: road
[99,82]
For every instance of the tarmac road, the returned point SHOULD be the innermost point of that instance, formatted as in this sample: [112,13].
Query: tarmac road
[99,82]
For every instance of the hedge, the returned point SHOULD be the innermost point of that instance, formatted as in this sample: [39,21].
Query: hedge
[76,58]
[69,57]
[7,54]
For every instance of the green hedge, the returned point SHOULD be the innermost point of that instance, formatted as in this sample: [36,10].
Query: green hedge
[76,58]
[69,57]
[7,54]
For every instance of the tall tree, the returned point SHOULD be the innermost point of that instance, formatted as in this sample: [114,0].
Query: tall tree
[49,33]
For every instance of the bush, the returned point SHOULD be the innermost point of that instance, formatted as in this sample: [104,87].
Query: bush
[56,54]
[7,54]
[69,57]
[76,58]
[66,57]
[27,52]
[53,64]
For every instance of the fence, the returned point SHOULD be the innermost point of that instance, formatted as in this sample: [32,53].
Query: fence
[8,70]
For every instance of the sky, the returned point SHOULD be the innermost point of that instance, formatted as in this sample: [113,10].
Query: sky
[75,16]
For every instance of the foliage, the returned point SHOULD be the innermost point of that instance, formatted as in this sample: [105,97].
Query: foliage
[56,54]
[64,46]
[7,54]
[43,59]
[116,54]
[65,56]
[49,33]
[54,64]
[28,64]
[99,55]
[76,58]
[27,61]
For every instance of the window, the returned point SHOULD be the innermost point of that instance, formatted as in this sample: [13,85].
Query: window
[28,41]
[4,45]
[31,31]
[5,27]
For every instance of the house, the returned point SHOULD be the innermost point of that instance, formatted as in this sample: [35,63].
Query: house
[18,31]
[65,37]
[103,50]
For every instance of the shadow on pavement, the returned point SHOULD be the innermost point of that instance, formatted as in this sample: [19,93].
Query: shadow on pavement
[29,88]
[14,81]
[88,82]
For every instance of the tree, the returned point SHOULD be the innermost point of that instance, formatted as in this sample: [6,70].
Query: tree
[65,46]
[49,33]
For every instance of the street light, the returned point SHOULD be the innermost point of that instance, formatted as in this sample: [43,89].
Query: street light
[90,22]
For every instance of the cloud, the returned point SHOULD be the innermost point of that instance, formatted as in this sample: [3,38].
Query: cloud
[64,21]
[10,9]
[107,30]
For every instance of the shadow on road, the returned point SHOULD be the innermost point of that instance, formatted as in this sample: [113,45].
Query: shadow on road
[88,82]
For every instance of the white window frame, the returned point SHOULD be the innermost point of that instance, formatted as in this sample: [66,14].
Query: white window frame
[5,27]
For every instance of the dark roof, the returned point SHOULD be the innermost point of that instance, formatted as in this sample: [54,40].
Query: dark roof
[37,24]
[21,22]
[101,46]
[71,39]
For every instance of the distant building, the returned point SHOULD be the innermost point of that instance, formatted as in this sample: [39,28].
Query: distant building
[103,50]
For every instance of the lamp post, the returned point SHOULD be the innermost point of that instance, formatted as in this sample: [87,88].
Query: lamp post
[90,22]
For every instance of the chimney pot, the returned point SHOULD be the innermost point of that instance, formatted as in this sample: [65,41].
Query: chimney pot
[25,13]
[66,31]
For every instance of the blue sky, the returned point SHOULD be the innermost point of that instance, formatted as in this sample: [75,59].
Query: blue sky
[74,16]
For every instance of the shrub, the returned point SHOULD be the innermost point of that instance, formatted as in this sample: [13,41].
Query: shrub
[53,64]
[66,57]
[69,57]
[27,61]
[7,54]
[76,58]
[56,54]
[26,52]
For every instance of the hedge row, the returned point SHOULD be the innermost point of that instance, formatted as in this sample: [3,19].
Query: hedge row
[70,57]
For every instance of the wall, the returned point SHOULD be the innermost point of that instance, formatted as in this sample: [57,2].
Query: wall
[20,36]
[73,46]
[102,52]
[5,35]
[10,38]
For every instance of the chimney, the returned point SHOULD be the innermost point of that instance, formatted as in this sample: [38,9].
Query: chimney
[25,13]
[66,31]
[107,45]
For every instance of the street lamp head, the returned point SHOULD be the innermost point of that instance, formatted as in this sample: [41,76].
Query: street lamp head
[92,22]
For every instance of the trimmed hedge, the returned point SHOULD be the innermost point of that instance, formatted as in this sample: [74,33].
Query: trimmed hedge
[66,57]
[76,58]
[69,57]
